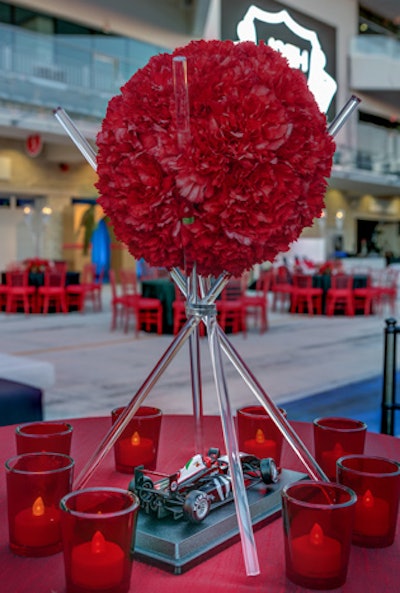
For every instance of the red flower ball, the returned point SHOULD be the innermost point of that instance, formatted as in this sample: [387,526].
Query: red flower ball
[251,177]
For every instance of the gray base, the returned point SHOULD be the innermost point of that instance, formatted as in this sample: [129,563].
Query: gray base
[178,545]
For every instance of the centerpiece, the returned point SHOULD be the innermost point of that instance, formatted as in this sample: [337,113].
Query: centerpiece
[251,175]
[211,160]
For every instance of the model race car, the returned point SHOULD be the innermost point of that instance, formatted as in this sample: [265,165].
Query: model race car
[201,485]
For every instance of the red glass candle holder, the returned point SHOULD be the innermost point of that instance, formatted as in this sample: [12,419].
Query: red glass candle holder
[35,484]
[317,520]
[138,443]
[376,482]
[258,433]
[98,527]
[336,437]
[54,437]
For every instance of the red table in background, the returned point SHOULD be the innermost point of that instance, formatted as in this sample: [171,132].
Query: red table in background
[370,570]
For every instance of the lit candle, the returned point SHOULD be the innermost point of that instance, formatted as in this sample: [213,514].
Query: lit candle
[315,554]
[260,446]
[37,526]
[97,564]
[135,451]
[329,459]
[372,515]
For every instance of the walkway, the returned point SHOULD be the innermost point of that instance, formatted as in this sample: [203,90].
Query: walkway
[97,370]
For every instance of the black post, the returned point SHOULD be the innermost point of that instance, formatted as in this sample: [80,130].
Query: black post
[389,378]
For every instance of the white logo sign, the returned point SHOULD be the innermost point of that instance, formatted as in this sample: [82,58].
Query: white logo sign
[312,62]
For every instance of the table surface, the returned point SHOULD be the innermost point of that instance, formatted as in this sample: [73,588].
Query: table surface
[370,570]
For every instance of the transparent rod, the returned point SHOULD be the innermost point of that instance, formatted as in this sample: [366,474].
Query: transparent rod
[343,115]
[117,428]
[76,136]
[249,548]
[283,425]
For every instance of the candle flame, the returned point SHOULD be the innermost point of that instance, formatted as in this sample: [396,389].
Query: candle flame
[260,438]
[338,450]
[98,544]
[38,507]
[368,499]
[135,439]
[316,535]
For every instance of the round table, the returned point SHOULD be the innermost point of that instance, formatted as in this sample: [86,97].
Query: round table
[370,570]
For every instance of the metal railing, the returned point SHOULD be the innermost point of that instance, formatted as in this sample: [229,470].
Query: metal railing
[389,404]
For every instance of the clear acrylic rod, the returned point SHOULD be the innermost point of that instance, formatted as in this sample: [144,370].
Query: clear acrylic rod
[117,428]
[343,115]
[249,548]
[194,353]
[282,424]
[76,136]
[182,114]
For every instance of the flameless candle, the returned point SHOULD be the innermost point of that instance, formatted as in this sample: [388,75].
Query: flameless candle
[329,459]
[372,515]
[97,564]
[315,554]
[37,526]
[136,450]
[260,446]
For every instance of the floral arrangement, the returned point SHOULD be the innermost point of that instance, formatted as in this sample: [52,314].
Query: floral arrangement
[251,177]
[36,264]
[330,267]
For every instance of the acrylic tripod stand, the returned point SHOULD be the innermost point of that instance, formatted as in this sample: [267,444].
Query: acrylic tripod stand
[202,309]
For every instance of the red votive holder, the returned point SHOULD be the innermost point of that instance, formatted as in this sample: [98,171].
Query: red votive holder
[138,443]
[98,527]
[334,438]
[258,433]
[54,437]
[317,520]
[376,481]
[36,482]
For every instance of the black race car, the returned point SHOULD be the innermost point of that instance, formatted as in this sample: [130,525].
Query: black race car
[202,484]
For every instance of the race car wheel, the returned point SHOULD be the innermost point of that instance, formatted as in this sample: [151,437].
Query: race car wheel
[144,492]
[196,506]
[269,471]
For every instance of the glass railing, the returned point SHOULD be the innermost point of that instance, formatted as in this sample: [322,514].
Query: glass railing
[352,159]
[81,73]
[39,72]
[387,47]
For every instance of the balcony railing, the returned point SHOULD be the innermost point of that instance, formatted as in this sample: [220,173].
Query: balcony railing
[81,73]
[375,63]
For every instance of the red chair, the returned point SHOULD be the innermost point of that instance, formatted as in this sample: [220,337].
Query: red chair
[78,293]
[118,302]
[97,287]
[340,294]
[3,296]
[255,302]
[53,291]
[305,296]
[364,297]
[230,308]
[148,312]
[387,290]
[281,287]
[19,292]
[179,311]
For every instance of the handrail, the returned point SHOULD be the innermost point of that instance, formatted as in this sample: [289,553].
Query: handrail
[389,404]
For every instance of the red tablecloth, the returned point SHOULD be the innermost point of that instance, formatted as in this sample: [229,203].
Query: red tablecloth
[370,571]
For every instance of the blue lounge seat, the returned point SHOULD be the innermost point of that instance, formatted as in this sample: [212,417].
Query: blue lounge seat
[19,403]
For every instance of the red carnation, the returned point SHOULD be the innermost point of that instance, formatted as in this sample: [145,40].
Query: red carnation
[252,176]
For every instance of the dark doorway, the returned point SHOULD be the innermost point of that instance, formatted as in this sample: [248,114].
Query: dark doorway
[366,231]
